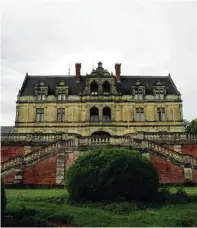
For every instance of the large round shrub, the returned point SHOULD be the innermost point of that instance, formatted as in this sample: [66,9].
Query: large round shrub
[112,174]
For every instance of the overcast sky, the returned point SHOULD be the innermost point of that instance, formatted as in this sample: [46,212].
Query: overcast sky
[147,37]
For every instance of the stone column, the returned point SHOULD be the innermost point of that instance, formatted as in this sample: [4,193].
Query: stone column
[27,150]
[178,148]
[188,175]
[60,167]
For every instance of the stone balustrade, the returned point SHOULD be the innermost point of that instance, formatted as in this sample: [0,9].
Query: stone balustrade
[11,163]
[52,137]
[19,160]
[141,142]
[15,137]
[169,136]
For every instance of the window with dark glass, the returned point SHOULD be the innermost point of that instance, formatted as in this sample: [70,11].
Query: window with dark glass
[94,88]
[161,115]
[94,114]
[60,114]
[106,88]
[40,114]
[106,114]
[140,114]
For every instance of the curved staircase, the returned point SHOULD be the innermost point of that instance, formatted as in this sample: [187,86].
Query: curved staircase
[145,146]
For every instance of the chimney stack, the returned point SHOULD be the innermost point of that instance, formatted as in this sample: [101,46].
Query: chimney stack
[118,71]
[78,72]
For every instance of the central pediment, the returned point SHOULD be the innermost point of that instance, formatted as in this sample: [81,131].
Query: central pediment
[100,71]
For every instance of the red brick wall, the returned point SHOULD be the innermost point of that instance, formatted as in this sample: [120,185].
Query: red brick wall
[9,179]
[190,149]
[11,151]
[69,160]
[168,172]
[195,176]
[43,172]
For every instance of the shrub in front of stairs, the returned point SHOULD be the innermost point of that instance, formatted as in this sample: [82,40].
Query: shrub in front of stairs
[3,202]
[112,175]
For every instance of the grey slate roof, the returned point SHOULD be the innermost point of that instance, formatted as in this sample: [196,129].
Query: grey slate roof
[125,86]
[7,129]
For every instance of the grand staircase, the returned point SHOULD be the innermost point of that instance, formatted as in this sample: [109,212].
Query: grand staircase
[144,145]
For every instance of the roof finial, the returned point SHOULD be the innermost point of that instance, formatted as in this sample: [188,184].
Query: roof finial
[69,70]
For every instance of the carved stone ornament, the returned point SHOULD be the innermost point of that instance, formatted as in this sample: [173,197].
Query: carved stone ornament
[62,88]
[41,88]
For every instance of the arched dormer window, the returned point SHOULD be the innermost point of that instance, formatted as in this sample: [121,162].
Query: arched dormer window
[106,114]
[94,88]
[94,114]
[106,88]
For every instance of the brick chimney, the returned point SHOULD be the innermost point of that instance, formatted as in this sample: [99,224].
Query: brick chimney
[118,71]
[78,72]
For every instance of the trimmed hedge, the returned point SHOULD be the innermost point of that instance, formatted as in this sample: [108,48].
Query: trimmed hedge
[111,175]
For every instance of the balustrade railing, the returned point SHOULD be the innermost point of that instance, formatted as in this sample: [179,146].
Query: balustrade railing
[28,158]
[141,141]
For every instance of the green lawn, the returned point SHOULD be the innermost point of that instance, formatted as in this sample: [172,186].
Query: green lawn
[90,215]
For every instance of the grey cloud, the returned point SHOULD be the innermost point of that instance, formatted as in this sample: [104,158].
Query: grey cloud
[149,38]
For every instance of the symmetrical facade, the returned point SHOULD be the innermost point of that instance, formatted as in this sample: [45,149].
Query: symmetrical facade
[99,102]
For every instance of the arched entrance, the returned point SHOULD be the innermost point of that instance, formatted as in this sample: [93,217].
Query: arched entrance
[99,137]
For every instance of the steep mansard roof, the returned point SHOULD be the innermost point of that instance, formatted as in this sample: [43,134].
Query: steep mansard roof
[125,86]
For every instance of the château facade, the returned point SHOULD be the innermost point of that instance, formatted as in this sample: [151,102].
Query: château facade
[98,103]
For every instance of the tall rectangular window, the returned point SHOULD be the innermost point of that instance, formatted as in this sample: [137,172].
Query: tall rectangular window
[60,114]
[140,114]
[161,114]
[138,94]
[159,94]
[40,114]
[61,96]
[41,97]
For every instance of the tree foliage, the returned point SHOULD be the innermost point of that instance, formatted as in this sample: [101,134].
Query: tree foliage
[192,127]
[110,175]
[3,201]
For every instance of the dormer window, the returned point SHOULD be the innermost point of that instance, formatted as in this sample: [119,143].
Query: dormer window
[138,94]
[94,88]
[41,91]
[61,96]
[106,88]
[159,94]
[138,90]
[159,91]
[62,91]
[41,97]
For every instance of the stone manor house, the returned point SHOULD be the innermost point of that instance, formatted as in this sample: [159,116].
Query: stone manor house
[99,102]
[59,118]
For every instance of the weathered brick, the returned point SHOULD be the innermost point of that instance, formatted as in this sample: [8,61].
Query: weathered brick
[43,172]
[168,172]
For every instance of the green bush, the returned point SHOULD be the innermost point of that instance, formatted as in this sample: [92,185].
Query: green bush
[110,175]
[3,201]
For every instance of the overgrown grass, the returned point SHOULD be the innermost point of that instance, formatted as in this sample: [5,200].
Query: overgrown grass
[53,205]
